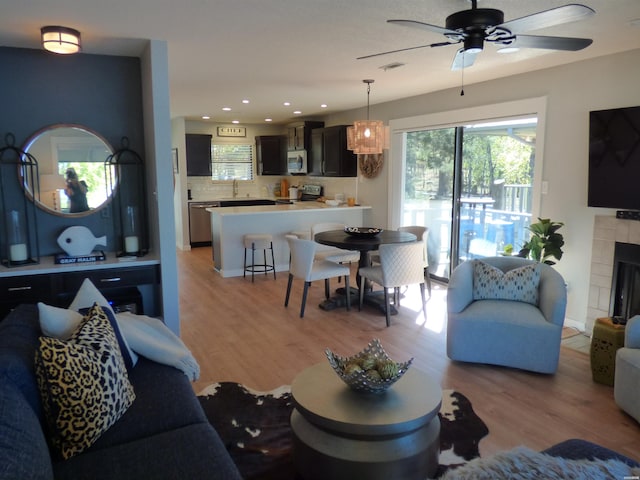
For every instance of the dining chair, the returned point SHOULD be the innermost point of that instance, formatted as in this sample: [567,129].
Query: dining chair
[400,265]
[421,233]
[333,254]
[303,266]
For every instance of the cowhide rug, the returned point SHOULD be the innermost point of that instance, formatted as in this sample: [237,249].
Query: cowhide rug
[254,426]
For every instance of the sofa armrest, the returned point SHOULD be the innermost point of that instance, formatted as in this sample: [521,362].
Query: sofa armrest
[460,289]
[632,333]
[552,295]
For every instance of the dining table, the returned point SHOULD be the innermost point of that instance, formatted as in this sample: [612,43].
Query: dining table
[364,243]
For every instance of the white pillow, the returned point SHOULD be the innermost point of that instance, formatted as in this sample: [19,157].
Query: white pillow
[61,322]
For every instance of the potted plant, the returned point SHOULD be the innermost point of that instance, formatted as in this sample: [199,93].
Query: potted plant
[545,242]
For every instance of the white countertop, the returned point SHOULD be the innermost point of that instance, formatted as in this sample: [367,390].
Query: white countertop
[281,208]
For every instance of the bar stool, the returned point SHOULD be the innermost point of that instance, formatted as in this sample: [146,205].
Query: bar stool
[258,241]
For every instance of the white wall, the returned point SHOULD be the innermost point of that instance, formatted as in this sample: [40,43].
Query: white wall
[571,92]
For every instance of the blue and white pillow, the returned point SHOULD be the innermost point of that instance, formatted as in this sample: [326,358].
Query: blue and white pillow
[520,284]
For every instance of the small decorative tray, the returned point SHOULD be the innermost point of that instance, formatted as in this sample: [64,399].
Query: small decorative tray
[362,231]
[369,371]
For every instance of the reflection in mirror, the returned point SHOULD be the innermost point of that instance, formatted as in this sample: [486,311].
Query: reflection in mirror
[71,169]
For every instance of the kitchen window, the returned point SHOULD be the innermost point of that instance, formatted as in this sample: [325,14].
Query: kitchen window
[231,161]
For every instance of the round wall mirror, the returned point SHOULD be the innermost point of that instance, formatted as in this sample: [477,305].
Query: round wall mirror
[71,170]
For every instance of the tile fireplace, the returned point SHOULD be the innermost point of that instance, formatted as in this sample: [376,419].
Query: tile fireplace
[607,231]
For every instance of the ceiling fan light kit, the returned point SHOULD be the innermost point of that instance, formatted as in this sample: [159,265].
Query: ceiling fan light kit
[475,26]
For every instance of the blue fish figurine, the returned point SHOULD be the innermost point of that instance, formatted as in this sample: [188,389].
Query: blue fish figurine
[78,241]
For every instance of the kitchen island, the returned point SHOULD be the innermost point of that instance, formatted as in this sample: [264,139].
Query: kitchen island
[230,224]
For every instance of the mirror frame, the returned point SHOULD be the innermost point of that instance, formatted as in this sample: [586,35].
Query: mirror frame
[27,184]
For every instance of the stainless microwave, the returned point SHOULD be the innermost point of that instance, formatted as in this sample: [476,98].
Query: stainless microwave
[297,162]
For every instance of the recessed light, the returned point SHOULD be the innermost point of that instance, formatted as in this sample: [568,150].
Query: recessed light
[297,112]
[206,117]
[323,105]
[226,109]
[235,121]
[286,104]
[508,50]
[245,101]
[268,119]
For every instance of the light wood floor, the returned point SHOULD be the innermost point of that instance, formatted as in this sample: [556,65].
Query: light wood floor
[242,332]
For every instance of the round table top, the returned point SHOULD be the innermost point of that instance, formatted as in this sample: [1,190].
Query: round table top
[341,239]
[325,400]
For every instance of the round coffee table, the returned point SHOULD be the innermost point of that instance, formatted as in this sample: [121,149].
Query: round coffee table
[339,433]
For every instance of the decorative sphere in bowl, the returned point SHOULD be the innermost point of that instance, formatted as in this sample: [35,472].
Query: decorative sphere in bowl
[362,231]
[370,371]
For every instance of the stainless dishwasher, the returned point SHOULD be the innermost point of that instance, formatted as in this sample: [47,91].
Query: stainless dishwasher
[200,223]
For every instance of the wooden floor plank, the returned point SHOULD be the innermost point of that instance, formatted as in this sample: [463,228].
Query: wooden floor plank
[241,332]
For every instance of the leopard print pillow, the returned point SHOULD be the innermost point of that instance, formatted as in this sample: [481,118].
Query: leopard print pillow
[83,383]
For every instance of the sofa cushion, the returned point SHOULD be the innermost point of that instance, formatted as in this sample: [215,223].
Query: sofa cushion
[19,333]
[24,453]
[192,452]
[83,383]
[519,284]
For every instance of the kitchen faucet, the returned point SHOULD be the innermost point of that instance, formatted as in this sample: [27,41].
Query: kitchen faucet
[235,188]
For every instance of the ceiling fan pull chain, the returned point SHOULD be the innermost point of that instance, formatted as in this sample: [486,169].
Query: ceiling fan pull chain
[462,77]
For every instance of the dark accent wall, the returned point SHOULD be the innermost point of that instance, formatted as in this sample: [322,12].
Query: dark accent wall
[103,93]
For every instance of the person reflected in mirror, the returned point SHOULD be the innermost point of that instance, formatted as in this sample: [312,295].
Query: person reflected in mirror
[76,190]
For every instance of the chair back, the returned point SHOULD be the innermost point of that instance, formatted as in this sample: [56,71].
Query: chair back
[302,253]
[401,263]
[422,234]
[324,227]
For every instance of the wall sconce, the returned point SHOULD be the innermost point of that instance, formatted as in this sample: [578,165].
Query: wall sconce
[62,40]
[366,136]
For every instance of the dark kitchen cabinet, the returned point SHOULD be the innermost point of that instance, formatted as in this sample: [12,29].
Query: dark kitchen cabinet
[271,154]
[299,135]
[198,155]
[329,154]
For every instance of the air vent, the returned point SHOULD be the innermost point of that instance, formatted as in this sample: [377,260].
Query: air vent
[391,66]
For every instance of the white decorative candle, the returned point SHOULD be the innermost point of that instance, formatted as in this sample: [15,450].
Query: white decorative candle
[131,244]
[18,252]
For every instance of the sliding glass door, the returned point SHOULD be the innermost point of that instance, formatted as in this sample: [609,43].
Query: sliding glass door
[472,186]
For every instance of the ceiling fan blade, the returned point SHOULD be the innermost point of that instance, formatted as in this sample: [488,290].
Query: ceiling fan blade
[549,18]
[551,43]
[463,59]
[440,44]
[423,26]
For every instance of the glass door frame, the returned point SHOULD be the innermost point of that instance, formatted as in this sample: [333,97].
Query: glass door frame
[400,127]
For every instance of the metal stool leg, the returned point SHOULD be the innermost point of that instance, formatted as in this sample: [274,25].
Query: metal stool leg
[253,260]
[273,262]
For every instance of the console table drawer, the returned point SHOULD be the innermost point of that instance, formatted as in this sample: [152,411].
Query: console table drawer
[28,288]
[112,278]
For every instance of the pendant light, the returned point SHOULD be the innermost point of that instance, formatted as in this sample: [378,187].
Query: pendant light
[62,40]
[366,136]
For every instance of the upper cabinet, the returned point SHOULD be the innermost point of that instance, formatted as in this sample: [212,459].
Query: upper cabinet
[198,155]
[329,154]
[299,135]
[271,154]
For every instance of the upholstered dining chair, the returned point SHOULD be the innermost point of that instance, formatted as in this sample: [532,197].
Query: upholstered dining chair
[506,311]
[422,234]
[303,266]
[333,254]
[400,265]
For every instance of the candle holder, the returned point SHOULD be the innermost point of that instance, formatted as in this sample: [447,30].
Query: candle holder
[124,171]
[19,229]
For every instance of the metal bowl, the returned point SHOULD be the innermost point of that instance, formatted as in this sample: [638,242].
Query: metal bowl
[363,231]
[361,381]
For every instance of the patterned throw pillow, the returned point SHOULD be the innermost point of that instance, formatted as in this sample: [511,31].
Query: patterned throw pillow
[519,284]
[83,383]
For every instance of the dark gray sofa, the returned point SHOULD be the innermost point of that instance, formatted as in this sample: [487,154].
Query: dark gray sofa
[164,434]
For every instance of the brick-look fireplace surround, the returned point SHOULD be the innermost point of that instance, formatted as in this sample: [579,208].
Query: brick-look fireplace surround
[607,230]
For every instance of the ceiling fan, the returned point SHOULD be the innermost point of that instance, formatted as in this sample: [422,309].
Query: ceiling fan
[478,25]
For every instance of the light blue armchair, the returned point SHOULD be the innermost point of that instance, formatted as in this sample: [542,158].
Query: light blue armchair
[511,317]
[627,377]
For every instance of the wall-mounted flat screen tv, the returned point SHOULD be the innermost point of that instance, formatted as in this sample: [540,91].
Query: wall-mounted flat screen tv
[614,158]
